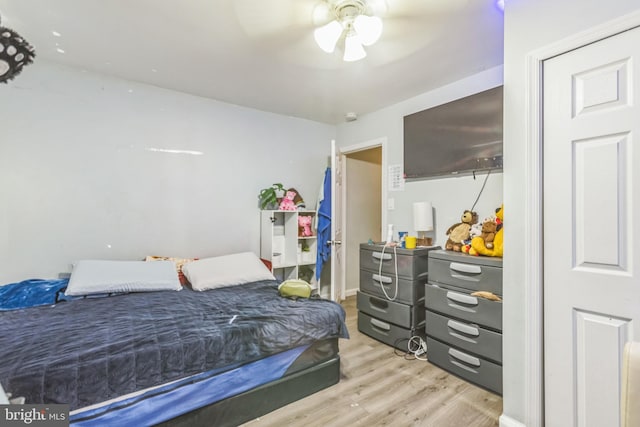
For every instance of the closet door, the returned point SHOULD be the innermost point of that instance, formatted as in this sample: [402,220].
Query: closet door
[591,247]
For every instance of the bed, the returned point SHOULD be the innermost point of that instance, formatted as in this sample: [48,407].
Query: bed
[220,356]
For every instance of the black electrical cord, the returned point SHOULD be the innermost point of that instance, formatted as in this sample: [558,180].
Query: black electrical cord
[482,189]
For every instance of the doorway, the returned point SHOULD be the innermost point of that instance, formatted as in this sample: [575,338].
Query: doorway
[362,202]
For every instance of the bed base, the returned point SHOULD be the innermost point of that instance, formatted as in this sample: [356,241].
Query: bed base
[263,399]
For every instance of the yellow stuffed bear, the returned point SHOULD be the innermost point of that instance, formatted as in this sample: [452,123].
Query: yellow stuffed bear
[478,246]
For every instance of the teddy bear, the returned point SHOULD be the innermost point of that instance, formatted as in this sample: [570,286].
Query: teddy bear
[304,226]
[488,234]
[287,203]
[478,246]
[459,232]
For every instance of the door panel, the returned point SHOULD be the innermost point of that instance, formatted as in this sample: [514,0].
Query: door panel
[597,246]
[591,255]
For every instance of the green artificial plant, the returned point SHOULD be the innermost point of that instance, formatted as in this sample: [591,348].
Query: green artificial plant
[269,196]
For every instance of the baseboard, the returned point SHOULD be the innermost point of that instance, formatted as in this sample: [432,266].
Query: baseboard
[350,292]
[506,421]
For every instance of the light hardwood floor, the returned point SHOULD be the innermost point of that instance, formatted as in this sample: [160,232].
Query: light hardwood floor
[378,388]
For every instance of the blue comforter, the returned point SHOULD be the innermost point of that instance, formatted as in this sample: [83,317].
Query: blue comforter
[85,351]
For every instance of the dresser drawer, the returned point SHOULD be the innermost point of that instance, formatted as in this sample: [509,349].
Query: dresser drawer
[465,336]
[410,263]
[465,271]
[463,306]
[407,291]
[474,369]
[407,316]
[388,333]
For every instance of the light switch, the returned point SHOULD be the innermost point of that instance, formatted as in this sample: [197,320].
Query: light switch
[391,204]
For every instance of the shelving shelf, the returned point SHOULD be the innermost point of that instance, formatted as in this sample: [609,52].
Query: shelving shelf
[292,256]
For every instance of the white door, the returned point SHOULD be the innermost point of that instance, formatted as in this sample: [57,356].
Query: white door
[337,251]
[591,157]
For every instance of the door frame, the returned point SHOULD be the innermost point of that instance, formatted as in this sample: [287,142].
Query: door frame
[344,153]
[350,149]
[366,145]
[533,256]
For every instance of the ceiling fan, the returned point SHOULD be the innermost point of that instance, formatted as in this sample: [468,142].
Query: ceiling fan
[406,26]
[353,22]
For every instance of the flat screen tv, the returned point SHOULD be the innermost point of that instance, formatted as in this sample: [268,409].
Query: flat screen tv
[456,138]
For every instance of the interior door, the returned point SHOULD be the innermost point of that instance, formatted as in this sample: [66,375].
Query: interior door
[591,251]
[337,251]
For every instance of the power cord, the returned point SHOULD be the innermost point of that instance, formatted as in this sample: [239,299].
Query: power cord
[416,348]
[481,189]
[395,258]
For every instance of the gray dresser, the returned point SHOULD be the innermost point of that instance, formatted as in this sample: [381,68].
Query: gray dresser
[464,332]
[391,296]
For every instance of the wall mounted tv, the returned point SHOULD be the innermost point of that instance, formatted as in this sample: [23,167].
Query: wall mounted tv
[457,138]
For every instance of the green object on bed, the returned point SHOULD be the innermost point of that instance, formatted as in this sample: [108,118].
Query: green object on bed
[294,288]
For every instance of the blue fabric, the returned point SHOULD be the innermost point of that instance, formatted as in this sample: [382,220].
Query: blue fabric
[324,225]
[187,395]
[31,293]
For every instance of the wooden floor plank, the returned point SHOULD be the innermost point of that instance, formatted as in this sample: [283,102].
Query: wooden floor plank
[378,387]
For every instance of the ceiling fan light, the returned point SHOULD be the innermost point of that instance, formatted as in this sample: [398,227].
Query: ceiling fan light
[369,28]
[353,50]
[327,36]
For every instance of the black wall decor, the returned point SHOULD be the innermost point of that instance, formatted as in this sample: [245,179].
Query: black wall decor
[15,53]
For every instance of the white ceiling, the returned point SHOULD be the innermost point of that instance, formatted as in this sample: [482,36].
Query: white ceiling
[261,53]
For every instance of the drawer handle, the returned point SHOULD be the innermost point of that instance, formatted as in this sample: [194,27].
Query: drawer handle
[382,279]
[380,255]
[380,325]
[378,304]
[461,298]
[465,268]
[461,327]
[463,357]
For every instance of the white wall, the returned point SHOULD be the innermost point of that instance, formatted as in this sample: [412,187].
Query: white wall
[529,25]
[78,179]
[450,196]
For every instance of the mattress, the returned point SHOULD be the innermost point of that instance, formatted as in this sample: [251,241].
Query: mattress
[87,351]
[162,403]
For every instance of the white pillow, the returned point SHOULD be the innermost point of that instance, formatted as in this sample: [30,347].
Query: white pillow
[101,276]
[226,270]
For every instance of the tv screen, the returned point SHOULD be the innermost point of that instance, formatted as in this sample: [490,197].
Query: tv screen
[456,138]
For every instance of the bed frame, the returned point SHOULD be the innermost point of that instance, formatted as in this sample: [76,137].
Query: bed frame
[263,399]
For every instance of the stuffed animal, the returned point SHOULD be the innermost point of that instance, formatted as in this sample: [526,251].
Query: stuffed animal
[489,229]
[297,199]
[287,204]
[304,226]
[476,230]
[478,246]
[459,232]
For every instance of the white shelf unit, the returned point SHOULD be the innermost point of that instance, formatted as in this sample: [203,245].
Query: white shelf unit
[282,244]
